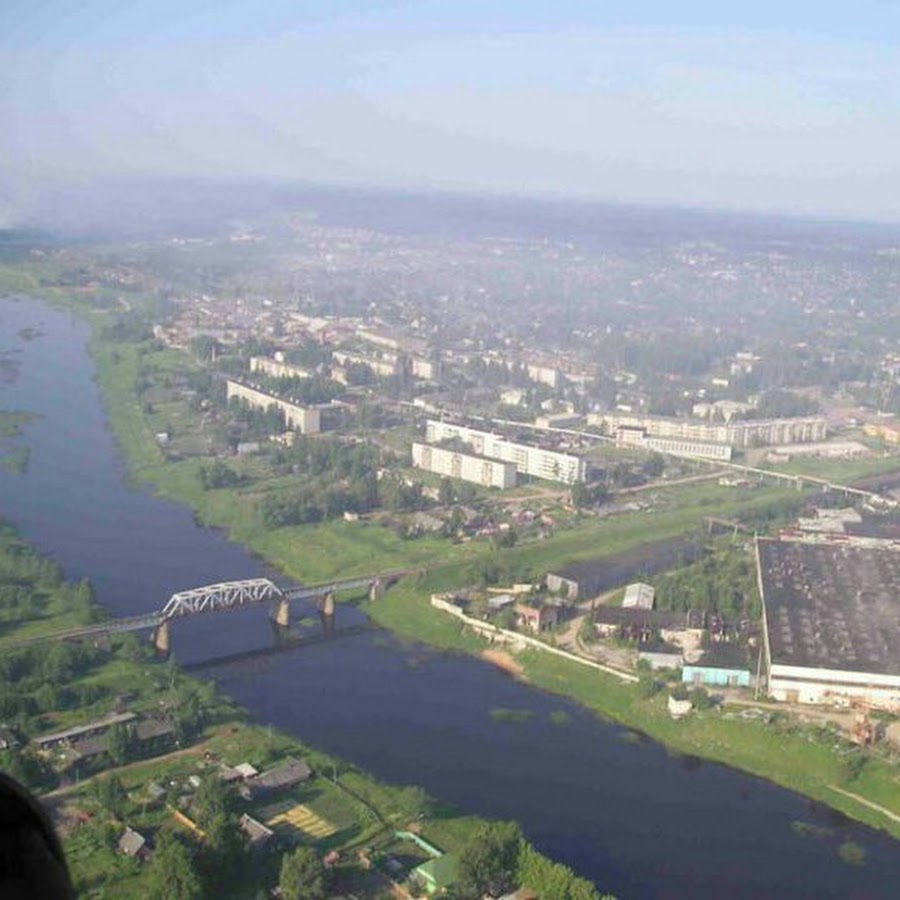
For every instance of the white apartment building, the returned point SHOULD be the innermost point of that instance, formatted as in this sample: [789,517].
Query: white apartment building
[276,368]
[477,469]
[304,419]
[544,375]
[638,437]
[739,434]
[535,461]
[381,367]
[428,369]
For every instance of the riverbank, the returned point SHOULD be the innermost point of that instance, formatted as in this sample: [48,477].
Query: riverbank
[786,754]
[445,827]
[343,808]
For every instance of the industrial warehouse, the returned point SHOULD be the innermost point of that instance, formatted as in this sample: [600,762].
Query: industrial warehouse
[832,621]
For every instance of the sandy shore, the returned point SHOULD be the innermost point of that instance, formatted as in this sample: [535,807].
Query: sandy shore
[504,661]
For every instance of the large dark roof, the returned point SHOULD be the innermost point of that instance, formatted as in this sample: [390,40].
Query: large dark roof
[832,606]
[292,772]
[609,572]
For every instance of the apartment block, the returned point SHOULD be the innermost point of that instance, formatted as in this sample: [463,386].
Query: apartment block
[528,460]
[477,469]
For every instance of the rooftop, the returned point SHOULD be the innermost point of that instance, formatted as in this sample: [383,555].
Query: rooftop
[831,606]
[292,772]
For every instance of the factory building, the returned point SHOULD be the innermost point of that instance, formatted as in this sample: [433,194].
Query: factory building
[528,460]
[831,615]
[477,469]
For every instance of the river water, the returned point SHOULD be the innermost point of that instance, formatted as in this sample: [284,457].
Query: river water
[620,811]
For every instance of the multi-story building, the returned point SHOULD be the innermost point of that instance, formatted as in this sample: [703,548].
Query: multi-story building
[638,437]
[890,433]
[528,460]
[383,366]
[276,368]
[544,375]
[428,369]
[468,467]
[305,419]
[739,434]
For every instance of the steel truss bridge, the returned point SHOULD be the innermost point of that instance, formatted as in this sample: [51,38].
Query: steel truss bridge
[217,598]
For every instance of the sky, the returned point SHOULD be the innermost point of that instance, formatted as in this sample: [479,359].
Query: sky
[789,106]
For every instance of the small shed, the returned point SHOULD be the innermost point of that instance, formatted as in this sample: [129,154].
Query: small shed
[132,844]
[437,875]
[500,601]
[9,739]
[639,595]
[156,792]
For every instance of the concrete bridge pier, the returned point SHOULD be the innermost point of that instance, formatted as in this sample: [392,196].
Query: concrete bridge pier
[281,613]
[162,640]
[376,590]
[326,612]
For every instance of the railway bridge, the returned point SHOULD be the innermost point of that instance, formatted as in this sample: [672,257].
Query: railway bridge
[225,597]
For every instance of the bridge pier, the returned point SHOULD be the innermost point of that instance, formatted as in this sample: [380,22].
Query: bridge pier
[326,612]
[281,613]
[326,603]
[376,590]
[162,641]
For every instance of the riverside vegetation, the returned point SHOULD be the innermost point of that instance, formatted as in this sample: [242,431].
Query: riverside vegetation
[49,686]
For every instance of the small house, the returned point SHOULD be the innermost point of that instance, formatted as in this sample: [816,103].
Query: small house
[258,835]
[292,772]
[537,618]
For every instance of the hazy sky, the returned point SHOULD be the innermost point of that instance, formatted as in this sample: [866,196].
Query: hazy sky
[790,105]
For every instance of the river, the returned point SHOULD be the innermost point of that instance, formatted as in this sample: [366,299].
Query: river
[619,810]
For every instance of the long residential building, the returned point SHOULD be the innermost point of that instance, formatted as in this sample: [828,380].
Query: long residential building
[528,460]
[276,368]
[383,366]
[737,433]
[627,436]
[468,467]
[305,419]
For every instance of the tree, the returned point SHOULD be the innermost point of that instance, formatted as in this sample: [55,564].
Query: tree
[110,793]
[302,875]
[210,802]
[171,874]
[119,743]
[445,492]
[224,851]
[489,862]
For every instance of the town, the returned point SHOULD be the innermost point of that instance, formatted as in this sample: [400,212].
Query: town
[697,506]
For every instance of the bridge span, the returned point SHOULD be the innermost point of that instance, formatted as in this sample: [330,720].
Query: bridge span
[223,597]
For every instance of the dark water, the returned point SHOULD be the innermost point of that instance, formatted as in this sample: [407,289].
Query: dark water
[625,814]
